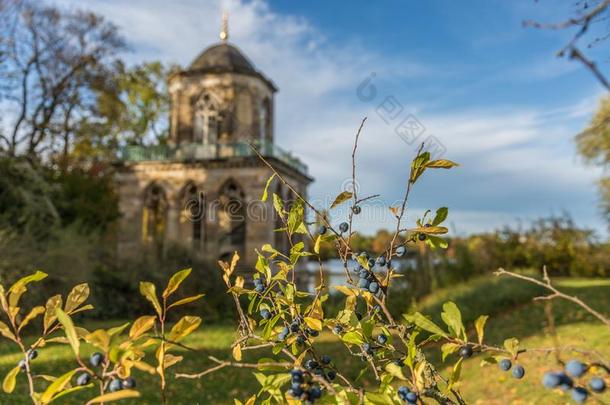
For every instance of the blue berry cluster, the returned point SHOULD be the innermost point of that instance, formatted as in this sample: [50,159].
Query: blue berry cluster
[96,359]
[518,371]
[296,326]
[407,395]
[366,278]
[302,386]
[564,380]
[259,285]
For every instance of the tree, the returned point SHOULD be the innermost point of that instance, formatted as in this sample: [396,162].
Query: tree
[51,60]
[594,146]
[585,19]
[131,107]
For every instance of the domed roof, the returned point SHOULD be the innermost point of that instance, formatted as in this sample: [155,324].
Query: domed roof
[223,58]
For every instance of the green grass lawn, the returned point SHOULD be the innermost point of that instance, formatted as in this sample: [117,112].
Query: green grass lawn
[512,314]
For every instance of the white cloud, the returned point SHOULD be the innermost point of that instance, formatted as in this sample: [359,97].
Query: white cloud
[523,154]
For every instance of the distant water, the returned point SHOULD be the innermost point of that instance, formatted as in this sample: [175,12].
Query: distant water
[334,271]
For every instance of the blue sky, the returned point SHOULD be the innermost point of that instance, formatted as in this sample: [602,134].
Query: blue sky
[492,92]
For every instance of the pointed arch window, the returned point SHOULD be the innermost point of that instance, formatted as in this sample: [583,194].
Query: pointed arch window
[232,215]
[154,215]
[207,120]
[194,205]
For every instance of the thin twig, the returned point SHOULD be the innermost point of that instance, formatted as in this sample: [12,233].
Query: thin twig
[555,293]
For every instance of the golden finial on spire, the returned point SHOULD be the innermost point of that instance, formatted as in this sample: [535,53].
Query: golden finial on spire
[224,33]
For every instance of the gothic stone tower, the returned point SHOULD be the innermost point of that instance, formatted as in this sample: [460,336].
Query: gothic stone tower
[201,191]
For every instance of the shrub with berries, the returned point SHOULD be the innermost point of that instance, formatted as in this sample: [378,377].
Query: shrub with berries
[285,323]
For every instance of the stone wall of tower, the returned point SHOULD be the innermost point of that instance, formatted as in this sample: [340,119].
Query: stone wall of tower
[134,180]
[241,98]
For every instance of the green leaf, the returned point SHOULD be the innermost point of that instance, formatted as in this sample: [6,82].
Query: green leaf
[175,282]
[455,374]
[425,323]
[341,198]
[68,325]
[149,291]
[436,242]
[353,337]
[114,396]
[452,316]
[479,325]
[186,300]
[418,166]
[264,197]
[448,348]
[296,215]
[512,345]
[441,215]
[57,385]
[77,296]
[8,384]
[278,204]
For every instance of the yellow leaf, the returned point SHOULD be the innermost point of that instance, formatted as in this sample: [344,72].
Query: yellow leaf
[175,282]
[184,327]
[56,386]
[441,164]
[265,191]
[316,247]
[170,360]
[117,330]
[342,197]
[313,323]
[3,299]
[68,325]
[345,290]
[142,366]
[114,396]
[431,230]
[395,370]
[31,315]
[99,338]
[17,289]
[8,385]
[149,291]
[6,332]
[237,352]
[186,300]
[50,313]
[141,325]
[77,296]
[479,325]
